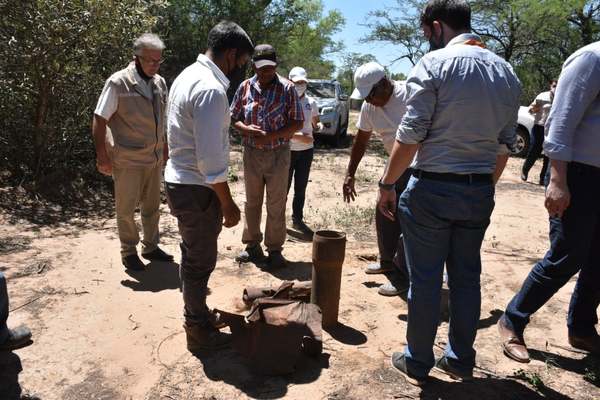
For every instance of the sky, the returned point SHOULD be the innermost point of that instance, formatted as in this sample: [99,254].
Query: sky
[355,12]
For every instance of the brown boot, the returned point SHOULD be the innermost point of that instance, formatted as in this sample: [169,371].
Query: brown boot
[200,338]
[512,344]
[587,343]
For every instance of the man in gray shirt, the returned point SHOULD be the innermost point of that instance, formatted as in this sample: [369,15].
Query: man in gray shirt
[461,116]
[573,203]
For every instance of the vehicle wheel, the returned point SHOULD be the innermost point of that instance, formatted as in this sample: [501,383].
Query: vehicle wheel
[523,141]
[336,138]
[345,127]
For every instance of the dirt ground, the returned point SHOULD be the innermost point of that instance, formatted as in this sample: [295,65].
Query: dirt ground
[101,332]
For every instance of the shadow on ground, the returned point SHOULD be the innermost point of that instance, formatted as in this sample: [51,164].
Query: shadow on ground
[486,388]
[157,277]
[588,367]
[230,368]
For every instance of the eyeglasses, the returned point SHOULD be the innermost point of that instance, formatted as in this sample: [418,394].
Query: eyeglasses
[151,61]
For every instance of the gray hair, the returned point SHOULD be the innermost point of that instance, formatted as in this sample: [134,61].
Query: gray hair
[149,41]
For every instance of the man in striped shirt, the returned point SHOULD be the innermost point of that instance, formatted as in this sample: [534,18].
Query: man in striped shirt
[266,111]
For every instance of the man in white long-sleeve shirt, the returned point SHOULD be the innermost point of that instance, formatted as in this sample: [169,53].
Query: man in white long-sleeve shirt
[196,173]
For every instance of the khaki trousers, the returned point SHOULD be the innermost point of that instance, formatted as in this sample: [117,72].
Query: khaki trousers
[133,187]
[266,169]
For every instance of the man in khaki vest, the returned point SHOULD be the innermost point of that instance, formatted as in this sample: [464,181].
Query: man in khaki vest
[132,104]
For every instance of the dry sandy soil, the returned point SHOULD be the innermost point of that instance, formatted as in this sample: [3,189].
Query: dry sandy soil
[104,333]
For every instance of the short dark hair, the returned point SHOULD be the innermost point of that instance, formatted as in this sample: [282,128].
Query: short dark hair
[229,35]
[455,13]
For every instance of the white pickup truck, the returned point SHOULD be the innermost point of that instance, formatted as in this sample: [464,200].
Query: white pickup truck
[524,127]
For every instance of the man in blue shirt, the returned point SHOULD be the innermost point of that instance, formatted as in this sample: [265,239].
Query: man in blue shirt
[461,116]
[573,203]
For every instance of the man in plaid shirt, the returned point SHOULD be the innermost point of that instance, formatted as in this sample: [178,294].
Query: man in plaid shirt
[266,111]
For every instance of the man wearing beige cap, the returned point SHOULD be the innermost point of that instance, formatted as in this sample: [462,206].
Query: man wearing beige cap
[302,147]
[132,105]
[267,113]
[382,111]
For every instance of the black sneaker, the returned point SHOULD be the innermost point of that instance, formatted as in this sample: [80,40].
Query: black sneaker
[399,365]
[251,254]
[158,255]
[276,260]
[17,339]
[443,365]
[133,263]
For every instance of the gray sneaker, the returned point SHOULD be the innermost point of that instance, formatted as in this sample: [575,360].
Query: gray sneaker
[393,289]
[443,365]
[399,365]
[251,254]
[276,260]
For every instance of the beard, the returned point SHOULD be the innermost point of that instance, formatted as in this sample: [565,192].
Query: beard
[436,44]
[235,76]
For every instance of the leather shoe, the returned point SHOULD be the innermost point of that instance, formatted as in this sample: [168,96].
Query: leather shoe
[513,345]
[158,255]
[587,343]
[17,338]
[201,338]
[133,263]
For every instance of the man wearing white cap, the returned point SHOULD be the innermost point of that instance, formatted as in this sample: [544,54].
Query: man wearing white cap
[302,148]
[382,110]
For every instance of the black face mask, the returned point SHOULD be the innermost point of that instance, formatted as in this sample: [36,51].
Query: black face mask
[237,75]
[436,44]
[140,70]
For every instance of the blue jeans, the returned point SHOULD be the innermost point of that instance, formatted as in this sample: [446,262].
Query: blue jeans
[443,222]
[300,163]
[3,308]
[574,247]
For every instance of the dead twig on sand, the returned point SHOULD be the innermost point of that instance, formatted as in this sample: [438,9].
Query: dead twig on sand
[159,346]
[404,396]
[136,324]
[26,304]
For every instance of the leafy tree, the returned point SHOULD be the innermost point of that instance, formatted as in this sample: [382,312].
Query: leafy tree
[534,36]
[54,58]
[351,61]
[399,25]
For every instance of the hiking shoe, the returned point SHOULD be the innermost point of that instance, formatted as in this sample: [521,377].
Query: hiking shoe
[276,260]
[443,365]
[214,317]
[17,339]
[158,255]
[200,338]
[393,289]
[133,263]
[399,364]
[378,268]
[251,254]
[299,225]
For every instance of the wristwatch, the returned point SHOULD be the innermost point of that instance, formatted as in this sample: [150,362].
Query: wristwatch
[386,186]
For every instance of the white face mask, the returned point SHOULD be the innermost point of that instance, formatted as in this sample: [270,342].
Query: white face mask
[300,88]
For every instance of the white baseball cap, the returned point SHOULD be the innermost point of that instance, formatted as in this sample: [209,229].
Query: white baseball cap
[297,74]
[365,77]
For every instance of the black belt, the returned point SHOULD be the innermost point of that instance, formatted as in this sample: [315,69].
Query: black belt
[449,177]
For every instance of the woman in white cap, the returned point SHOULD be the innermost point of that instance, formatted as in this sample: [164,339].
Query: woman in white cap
[302,147]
